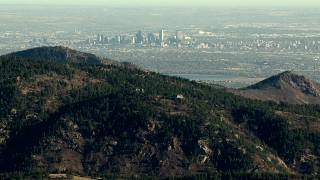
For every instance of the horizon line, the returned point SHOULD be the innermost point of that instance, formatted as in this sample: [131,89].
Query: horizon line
[163,6]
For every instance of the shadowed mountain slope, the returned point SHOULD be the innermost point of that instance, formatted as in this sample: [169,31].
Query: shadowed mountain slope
[93,118]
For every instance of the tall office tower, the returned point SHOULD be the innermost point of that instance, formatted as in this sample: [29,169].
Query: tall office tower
[179,36]
[88,41]
[106,40]
[123,39]
[118,39]
[102,39]
[139,37]
[99,38]
[161,35]
[133,40]
[151,38]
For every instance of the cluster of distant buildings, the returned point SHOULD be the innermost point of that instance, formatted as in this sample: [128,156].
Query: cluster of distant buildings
[178,39]
[196,39]
[275,44]
[139,38]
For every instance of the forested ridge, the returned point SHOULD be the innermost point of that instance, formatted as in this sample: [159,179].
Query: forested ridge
[114,120]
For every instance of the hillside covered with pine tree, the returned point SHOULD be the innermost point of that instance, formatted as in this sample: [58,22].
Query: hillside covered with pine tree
[65,114]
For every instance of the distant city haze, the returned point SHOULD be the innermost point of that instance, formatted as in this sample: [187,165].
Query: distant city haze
[230,43]
[181,3]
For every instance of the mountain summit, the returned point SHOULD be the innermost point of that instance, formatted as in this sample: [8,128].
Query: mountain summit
[59,53]
[286,86]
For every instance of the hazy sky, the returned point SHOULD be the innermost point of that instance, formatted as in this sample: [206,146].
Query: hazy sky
[213,3]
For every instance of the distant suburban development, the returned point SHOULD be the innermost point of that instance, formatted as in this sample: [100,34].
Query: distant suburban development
[207,46]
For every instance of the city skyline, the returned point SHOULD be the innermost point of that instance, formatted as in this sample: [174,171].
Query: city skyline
[196,42]
[176,3]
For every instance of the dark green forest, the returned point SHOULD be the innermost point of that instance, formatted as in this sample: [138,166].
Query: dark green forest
[118,111]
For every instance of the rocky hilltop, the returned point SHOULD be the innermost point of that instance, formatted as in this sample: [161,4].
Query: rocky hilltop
[284,87]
